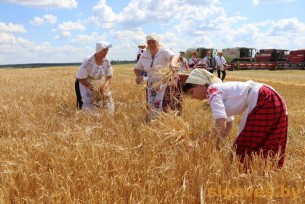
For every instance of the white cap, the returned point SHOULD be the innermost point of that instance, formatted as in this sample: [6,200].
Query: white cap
[202,77]
[100,45]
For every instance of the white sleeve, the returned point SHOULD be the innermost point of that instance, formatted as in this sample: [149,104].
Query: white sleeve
[108,69]
[224,60]
[217,60]
[139,64]
[84,68]
[216,102]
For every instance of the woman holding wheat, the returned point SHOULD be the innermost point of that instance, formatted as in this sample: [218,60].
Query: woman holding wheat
[94,76]
[163,85]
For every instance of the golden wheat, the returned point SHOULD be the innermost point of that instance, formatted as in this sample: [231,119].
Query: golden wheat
[53,153]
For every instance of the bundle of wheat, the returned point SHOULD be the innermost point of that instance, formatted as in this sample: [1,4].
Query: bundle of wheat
[165,76]
[102,97]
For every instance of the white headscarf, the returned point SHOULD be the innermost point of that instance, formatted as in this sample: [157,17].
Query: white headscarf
[202,77]
[100,45]
[152,36]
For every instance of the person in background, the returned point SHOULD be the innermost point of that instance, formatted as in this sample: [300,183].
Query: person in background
[264,123]
[162,95]
[221,65]
[193,61]
[182,62]
[94,67]
[140,51]
[209,62]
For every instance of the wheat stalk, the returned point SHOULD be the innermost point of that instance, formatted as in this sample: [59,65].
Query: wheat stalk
[101,95]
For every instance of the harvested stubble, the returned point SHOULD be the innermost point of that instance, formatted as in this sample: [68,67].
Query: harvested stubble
[52,153]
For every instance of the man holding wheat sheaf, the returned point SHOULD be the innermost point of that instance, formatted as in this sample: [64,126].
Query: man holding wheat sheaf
[163,85]
[94,76]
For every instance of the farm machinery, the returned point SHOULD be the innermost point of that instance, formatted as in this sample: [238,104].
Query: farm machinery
[271,59]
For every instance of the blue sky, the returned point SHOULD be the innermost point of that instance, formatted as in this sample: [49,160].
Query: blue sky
[60,31]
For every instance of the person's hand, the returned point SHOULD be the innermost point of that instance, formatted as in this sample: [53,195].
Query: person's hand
[139,79]
[106,87]
[173,67]
[90,87]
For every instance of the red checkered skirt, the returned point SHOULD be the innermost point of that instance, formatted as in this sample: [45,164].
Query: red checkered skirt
[265,132]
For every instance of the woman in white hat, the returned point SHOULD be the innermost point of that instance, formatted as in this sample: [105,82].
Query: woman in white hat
[263,127]
[93,67]
[160,95]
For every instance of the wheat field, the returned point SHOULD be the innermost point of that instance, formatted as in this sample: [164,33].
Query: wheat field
[52,153]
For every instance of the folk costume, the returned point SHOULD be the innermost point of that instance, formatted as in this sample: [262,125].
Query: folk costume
[264,124]
[89,70]
[160,95]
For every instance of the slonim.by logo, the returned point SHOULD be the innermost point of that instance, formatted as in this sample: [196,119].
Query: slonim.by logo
[278,192]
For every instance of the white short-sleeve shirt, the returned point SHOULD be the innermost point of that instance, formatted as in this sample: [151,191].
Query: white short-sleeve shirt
[220,61]
[90,70]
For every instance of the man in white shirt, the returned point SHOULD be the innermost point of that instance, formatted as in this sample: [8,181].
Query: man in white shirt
[209,62]
[221,65]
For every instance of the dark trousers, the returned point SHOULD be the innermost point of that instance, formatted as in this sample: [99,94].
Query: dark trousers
[223,74]
[79,102]
[211,70]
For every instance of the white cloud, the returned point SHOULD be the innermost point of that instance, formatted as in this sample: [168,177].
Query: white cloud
[281,34]
[69,26]
[92,38]
[37,21]
[7,39]
[45,19]
[45,3]
[257,2]
[141,12]
[50,18]
[12,28]
[104,14]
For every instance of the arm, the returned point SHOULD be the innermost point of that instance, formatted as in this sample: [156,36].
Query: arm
[222,129]
[139,78]
[174,61]
[107,82]
[186,64]
[85,83]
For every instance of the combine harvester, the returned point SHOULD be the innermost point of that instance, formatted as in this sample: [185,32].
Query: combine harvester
[265,59]
[296,60]
[239,57]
